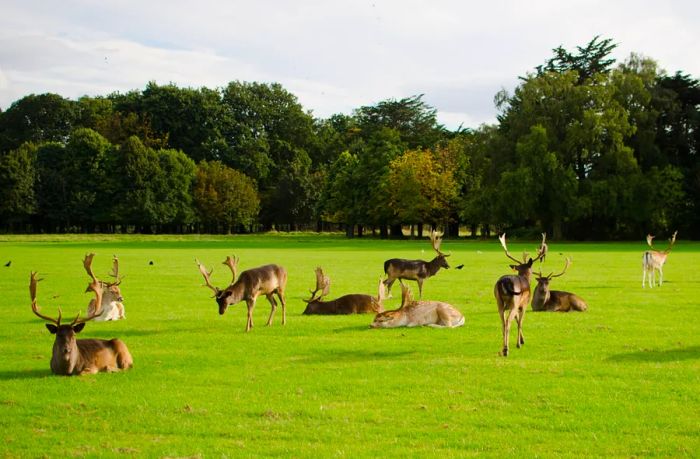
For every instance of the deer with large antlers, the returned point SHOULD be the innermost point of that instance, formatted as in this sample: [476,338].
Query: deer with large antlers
[419,313]
[112,306]
[544,299]
[354,303]
[653,260]
[265,280]
[417,270]
[512,294]
[73,356]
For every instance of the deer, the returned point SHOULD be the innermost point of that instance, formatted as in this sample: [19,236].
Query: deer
[112,306]
[354,303]
[417,270]
[411,313]
[264,280]
[653,260]
[512,294]
[73,356]
[544,299]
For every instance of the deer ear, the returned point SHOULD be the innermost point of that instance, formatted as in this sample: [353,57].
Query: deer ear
[78,328]
[529,262]
[52,328]
[513,267]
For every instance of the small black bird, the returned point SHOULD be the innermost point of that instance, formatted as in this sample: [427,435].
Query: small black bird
[7,265]
[459,267]
[150,262]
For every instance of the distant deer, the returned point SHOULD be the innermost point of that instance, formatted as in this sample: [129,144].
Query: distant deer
[112,306]
[544,299]
[419,313]
[512,294]
[264,280]
[354,303]
[73,356]
[653,260]
[417,270]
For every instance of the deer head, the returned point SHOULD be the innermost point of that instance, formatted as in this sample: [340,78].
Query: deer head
[524,267]
[543,281]
[435,242]
[220,295]
[110,290]
[671,241]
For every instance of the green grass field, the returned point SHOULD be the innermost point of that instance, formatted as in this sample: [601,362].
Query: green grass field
[620,380]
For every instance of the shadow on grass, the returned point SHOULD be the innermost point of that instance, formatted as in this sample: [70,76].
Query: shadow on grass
[352,328]
[338,355]
[26,374]
[655,355]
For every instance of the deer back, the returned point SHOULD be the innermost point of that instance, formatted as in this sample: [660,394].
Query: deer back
[354,303]
[420,313]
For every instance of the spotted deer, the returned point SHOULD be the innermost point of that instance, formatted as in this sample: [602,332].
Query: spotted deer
[653,260]
[112,306]
[544,299]
[264,280]
[417,270]
[73,356]
[419,313]
[512,294]
[354,303]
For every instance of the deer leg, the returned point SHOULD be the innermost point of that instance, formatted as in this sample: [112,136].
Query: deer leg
[661,275]
[644,275]
[420,288]
[520,317]
[251,304]
[389,282]
[501,313]
[273,303]
[506,334]
[280,295]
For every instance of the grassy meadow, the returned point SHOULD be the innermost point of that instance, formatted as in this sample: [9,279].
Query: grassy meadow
[620,380]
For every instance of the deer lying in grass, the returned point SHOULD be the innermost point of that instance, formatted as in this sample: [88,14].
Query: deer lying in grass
[73,356]
[512,294]
[264,280]
[419,313]
[417,270]
[544,299]
[112,306]
[653,260]
[354,303]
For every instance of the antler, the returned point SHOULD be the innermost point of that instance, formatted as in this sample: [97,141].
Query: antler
[435,241]
[232,263]
[650,238]
[33,281]
[115,270]
[568,262]
[543,249]
[406,296]
[87,264]
[502,238]
[206,275]
[672,241]
[97,289]
[323,283]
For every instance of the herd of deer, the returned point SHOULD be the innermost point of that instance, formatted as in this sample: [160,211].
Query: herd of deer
[73,356]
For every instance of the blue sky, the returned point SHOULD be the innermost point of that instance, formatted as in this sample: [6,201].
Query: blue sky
[335,56]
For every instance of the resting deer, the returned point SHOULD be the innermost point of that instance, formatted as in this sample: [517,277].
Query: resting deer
[544,299]
[653,260]
[112,306]
[417,270]
[265,280]
[73,356]
[419,313]
[354,303]
[512,294]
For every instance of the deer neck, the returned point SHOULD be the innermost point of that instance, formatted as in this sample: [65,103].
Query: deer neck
[237,292]
[65,365]
[433,266]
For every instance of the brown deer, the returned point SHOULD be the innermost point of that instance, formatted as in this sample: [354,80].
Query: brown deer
[112,306]
[544,299]
[653,260]
[417,270]
[354,303]
[264,280]
[512,294]
[73,356]
[419,313]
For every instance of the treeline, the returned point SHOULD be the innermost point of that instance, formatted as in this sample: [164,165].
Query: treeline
[583,148]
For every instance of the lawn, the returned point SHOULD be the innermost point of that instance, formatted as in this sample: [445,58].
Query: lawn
[620,380]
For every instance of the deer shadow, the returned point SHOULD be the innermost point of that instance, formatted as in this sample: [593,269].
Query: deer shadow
[26,374]
[655,355]
[335,355]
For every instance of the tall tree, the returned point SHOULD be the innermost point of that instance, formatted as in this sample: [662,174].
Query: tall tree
[17,182]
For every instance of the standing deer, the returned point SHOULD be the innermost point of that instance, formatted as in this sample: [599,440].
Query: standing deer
[417,270]
[264,280]
[544,299]
[354,303]
[512,294]
[419,313]
[112,306]
[73,356]
[653,260]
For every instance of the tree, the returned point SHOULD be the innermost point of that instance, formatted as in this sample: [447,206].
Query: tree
[17,181]
[591,59]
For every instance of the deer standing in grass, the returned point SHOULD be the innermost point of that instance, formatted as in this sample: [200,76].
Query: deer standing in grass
[354,303]
[419,313]
[265,280]
[653,260]
[417,270]
[512,294]
[112,306]
[73,356]
[544,299]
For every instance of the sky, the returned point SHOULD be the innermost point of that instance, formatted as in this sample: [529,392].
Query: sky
[334,56]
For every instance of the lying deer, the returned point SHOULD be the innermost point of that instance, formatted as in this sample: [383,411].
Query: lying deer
[544,299]
[265,280]
[418,313]
[653,260]
[512,294]
[417,270]
[354,303]
[73,356]
[112,306]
